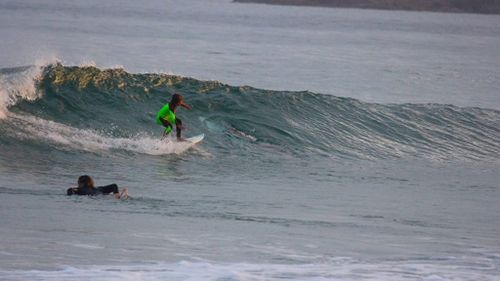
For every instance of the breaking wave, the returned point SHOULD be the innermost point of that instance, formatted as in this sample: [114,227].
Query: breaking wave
[92,109]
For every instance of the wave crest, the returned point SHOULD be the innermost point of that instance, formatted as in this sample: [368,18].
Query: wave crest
[247,118]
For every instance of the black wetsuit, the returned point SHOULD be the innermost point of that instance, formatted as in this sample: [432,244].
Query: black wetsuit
[107,189]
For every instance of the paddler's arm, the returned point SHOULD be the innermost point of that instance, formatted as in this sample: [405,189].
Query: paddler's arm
[72,190]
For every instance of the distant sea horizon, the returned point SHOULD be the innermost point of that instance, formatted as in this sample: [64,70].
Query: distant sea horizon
[445,6]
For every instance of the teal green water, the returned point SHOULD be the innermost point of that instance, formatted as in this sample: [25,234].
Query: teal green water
[293,185]
[117,104]
[365,146]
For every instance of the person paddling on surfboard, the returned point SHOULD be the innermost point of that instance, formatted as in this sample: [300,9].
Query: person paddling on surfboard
[86,187]
[166,115]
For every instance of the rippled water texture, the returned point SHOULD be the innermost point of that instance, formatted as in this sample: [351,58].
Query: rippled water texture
[366,146]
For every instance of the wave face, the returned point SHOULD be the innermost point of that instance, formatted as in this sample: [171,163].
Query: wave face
[86,108]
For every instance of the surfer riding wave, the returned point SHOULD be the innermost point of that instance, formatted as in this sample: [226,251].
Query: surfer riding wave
[166,115]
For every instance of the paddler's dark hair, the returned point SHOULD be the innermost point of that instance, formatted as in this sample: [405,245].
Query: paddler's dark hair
[176,99]
[85,181]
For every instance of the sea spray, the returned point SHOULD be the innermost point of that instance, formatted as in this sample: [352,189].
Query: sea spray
[18,84]
[122,105]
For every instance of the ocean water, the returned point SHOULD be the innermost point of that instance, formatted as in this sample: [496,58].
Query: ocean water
[340,144]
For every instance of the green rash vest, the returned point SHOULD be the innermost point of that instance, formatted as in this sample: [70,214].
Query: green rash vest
[166,114]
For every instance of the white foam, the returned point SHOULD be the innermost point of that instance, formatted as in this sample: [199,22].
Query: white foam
[342,269]
[70,138]
[18,86]
[87,63]
[21,85]
[47,60]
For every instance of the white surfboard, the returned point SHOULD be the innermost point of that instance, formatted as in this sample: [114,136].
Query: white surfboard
[178,147]
[195,139]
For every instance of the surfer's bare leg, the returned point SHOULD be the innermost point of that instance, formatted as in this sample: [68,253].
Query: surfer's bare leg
[123,194]
[178,128]
[167,126]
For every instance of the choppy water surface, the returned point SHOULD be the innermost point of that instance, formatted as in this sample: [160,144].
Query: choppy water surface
[386,169]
